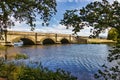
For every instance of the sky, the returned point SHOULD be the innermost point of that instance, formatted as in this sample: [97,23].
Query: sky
[55,27]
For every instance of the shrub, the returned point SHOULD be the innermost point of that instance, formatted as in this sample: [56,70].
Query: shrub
[113,34]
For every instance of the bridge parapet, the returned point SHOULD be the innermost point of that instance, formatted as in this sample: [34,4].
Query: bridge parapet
[19,33]
[33,33]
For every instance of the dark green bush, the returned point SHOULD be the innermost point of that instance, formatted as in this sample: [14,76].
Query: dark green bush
[113,34]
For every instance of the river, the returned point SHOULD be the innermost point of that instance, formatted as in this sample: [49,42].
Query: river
[82,60]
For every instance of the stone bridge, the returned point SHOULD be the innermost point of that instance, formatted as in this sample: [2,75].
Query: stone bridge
[34,38]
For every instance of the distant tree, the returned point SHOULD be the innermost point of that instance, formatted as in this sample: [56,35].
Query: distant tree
[113,34]
[99,15]
[26,10]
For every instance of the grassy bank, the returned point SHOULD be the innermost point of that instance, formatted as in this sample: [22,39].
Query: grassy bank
[100,41]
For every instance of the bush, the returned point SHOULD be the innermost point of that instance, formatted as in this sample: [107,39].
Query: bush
[113,34]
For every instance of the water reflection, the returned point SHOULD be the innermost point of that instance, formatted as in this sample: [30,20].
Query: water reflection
[81,60]
[4,53]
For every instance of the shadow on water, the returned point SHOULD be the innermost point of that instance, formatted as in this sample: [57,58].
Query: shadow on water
[4,52]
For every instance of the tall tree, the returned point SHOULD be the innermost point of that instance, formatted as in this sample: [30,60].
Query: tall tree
[26,10]
[99,15]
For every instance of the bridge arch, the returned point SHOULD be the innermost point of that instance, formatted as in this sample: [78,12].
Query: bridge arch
[26,40]
[47,41]
[64,41]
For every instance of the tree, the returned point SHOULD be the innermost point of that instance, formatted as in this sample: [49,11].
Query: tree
[26,10]
[113,34]
[99,15]
[72,19]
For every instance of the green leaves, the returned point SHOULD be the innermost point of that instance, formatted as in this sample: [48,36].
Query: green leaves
[72,19]
[113,34]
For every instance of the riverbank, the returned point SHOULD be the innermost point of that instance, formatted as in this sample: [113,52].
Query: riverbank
[87,40]
[99,41]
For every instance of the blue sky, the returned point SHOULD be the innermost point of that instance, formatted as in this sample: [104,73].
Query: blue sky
[54,26]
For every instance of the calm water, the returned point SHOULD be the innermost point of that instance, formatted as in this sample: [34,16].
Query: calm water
[82,60]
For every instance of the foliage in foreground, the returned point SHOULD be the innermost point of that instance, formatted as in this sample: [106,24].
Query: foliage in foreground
[27,11]
[10,71]
[113,72]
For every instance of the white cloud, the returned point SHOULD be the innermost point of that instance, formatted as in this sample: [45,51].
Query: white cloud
[54,29]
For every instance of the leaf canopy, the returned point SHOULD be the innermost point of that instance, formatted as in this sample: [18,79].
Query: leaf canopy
[26,10]
[99,15]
